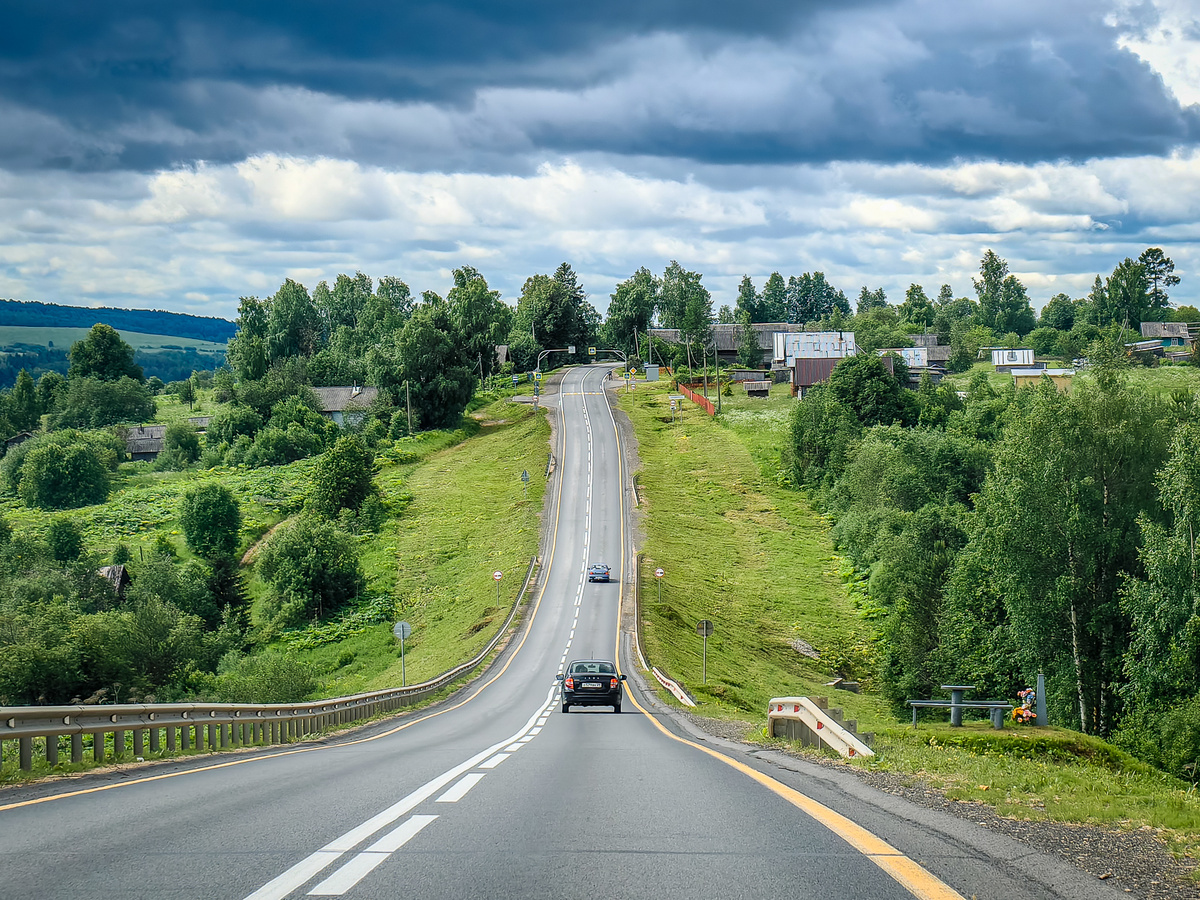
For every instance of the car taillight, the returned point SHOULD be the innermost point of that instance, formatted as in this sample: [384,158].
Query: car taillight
[569,684]
[612,684]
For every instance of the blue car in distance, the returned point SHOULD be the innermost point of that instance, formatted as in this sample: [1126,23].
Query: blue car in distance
[598,572]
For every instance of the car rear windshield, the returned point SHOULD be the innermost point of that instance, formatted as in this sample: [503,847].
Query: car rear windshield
[593,668]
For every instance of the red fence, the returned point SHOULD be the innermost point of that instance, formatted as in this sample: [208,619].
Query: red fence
[698,399]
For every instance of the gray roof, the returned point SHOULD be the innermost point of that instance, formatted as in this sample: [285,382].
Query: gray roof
[337,399]
[1165,330]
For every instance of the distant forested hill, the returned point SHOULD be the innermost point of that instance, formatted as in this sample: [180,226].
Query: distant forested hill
[31,313]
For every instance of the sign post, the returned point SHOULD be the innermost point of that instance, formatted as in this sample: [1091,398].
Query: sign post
[525,481]
[658,576]
[496,576]
[704,628]
[402,630]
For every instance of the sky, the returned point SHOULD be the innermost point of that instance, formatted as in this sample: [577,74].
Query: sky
[179,156]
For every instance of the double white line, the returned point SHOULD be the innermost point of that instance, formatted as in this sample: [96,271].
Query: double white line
[358,866]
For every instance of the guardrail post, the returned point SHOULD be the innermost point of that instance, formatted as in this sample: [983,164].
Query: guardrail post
[52,749]
[212,736]
[77,747]
[171,736]
[155,740]
[26,753]
[199,736]
[98,746]
[139,742]
[224,738]
[118,743]
[185,737]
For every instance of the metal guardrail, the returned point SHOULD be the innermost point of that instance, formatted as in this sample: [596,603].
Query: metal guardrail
[173,727]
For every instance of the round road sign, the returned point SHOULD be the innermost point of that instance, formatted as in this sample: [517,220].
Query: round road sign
[497,574]
[704,628]
[659,573]
[402,630]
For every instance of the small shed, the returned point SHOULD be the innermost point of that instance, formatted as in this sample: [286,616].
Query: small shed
[145,442]
[1009,358]
[758,388]
[16,440]
[117,576]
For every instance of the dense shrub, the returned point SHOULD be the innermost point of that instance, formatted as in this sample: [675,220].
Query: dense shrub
[226,426]
[210,518]
[55,477]
[342,477]
[265,678]
[312,567]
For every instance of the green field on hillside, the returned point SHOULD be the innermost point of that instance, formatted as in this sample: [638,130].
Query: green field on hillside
[63,338]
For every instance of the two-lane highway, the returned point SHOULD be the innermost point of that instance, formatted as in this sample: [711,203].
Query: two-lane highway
[495,793]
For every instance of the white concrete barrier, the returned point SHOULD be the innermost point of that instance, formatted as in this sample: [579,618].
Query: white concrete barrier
[799,718]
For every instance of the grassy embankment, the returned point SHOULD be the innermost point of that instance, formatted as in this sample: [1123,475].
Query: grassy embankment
[756,559]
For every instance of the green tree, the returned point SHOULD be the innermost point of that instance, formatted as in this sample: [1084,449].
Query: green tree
[748,301]
[1126,294]
[247,353]
[65,539]
[427,354]
[182,438]
[1003,302]
[480,317]
[821,431]
[63,477]
[1160,275]
[102,354]
[870,299]
[343,477]
[864,384]
[211,520]
[916,307]
[555,312]
[1059,313]
[772,303]
[630,311]
[1054,536]
[187,392]
[24,411]
[312,568]
[750,354]
[94,403]
[810,298]
[293,323]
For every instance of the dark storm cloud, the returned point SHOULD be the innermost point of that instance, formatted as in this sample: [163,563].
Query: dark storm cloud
[490,87]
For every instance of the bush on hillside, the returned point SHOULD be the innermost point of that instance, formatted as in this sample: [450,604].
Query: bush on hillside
[55,477]
[313,569]
[95,403]
[211,519]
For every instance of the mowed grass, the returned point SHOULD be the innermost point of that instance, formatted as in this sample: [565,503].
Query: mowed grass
[63,338]
[742,551]
[459,514]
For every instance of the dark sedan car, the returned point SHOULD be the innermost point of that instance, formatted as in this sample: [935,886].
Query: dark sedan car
[598,572]
[591,682]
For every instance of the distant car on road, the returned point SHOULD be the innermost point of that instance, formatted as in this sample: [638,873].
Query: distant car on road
[591,682]
[598,572]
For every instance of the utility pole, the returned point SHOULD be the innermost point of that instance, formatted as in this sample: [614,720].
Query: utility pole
[408,403]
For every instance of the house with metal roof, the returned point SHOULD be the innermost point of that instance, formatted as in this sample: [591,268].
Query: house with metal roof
[346,405]
[1168,334]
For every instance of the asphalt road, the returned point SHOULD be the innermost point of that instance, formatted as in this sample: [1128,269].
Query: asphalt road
[497,793]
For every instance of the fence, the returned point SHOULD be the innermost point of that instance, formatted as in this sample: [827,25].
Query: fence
[173,727]
[699,400]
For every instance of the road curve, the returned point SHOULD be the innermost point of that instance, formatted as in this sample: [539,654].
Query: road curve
[497,793]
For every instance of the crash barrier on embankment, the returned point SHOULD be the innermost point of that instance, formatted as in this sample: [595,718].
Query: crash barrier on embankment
[810,721]
[166,728]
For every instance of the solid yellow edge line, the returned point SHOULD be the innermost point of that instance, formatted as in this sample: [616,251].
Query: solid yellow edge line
[260,758]
[913,877]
